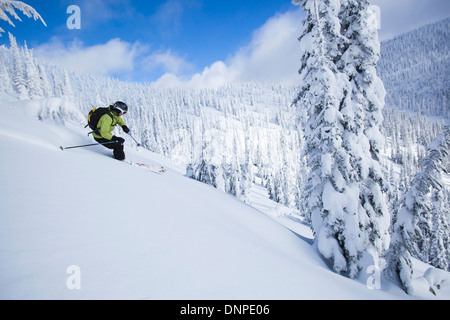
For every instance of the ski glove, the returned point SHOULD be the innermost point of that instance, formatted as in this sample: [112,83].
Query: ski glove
[126,129]
[118,139]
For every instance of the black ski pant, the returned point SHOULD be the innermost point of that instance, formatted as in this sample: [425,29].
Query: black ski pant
[118,149]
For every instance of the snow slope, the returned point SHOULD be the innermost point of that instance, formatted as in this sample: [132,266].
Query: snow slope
[133,234]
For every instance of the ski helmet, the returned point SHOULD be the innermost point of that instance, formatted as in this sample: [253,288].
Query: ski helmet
[120,107]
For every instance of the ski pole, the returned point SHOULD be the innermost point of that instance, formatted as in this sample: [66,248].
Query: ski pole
[138,144]
[87,145]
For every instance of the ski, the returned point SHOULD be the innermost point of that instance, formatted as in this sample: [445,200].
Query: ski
[153,168]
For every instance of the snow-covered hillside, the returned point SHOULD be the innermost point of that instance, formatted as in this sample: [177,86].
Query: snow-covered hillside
[78,217]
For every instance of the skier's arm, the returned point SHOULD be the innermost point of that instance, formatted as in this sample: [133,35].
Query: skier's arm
[123,125]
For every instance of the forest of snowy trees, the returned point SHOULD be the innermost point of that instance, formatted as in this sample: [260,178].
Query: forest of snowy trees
[351,166]
[411,62]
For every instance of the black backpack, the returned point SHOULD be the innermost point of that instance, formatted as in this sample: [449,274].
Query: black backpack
[94,117]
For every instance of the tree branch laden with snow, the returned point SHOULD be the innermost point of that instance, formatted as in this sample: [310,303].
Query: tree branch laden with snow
[9,6]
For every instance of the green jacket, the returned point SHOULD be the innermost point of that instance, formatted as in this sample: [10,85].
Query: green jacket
[106,125]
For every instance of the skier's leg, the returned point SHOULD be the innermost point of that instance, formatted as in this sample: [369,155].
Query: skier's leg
[118,148]
[119,153]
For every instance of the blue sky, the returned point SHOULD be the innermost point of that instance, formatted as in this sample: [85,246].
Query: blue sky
[202,42]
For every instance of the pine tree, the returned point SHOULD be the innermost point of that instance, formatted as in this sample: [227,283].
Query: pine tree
[57,84]
[19,82]
[67,89]
[31,75]
[343,97]
[363,121]
[43,81]
[440,239]
[5,81]
[421,227]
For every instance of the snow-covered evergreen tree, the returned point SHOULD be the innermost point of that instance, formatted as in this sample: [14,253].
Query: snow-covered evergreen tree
[43,81]
[345,191]
[31,74]
[5,81]
[67,89]
[19,82]
[440,225]
[421,227]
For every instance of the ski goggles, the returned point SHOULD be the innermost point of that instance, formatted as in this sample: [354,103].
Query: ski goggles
[120,111]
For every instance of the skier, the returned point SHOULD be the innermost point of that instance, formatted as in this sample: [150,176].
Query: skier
[106,125]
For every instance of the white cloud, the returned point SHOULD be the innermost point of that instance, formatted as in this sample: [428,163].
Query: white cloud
[273,55]
[215,75]
[274,52]
[167,61]
[115,56]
